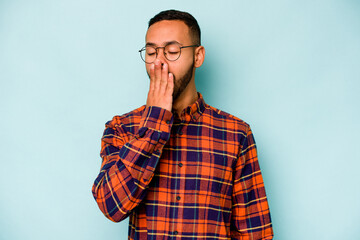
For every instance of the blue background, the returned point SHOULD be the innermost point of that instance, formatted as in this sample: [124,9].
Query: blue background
[289,68]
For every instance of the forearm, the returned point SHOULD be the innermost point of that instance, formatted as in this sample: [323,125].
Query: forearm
[127,170]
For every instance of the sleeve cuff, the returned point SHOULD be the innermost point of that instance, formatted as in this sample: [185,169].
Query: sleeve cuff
[158,119]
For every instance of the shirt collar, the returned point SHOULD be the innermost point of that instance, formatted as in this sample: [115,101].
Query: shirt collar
[193,111]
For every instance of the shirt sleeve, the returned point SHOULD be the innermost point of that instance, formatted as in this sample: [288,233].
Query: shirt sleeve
[250,218]
[129,161]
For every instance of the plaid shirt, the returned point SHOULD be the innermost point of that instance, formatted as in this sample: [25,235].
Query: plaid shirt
[194,176]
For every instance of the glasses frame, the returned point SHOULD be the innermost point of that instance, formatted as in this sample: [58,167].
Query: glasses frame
[156,50]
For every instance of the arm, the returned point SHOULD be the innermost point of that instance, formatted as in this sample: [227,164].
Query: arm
[250,211]
[129,162]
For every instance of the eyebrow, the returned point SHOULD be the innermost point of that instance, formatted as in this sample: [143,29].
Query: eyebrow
[150,44]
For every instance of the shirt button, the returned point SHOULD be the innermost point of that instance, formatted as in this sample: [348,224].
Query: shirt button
[180,164]
[178,198]
[167,121]
[180,133]
[176,232]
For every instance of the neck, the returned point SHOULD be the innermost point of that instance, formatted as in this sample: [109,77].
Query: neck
[186,98]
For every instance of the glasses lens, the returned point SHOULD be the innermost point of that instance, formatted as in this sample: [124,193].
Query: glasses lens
[172,52]
[148,54]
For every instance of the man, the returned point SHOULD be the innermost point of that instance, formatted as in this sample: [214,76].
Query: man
[178,167]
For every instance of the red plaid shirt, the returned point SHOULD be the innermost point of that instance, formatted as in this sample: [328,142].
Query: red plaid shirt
[194,176]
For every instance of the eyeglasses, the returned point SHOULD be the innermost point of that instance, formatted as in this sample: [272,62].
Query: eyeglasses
[172,52]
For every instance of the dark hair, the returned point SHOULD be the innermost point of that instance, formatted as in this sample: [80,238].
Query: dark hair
[187,18]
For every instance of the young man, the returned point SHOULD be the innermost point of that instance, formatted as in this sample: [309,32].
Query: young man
[178,167]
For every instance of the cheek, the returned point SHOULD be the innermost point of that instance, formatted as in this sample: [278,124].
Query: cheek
[187,61]
[180,71]
[179,68]
[173,69]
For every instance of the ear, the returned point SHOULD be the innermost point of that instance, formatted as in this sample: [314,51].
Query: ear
[199,56]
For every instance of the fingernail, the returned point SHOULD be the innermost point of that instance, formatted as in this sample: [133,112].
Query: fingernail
[152,66]
[157,62]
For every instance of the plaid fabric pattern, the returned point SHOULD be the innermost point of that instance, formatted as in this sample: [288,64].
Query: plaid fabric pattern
[194,176]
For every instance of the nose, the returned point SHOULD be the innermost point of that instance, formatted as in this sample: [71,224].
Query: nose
[161,55]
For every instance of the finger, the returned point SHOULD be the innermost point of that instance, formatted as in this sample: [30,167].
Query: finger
[164,77]
[152,78]
[157,74]
[170,85]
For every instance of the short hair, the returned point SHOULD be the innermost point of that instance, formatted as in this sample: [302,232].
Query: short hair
[185,17]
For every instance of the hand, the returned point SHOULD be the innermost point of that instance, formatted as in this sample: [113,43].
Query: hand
[161,86]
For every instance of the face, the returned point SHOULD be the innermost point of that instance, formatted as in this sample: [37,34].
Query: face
[163,32]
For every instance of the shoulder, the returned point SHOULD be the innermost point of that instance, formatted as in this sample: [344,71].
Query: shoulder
[226,119]
[226,126]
